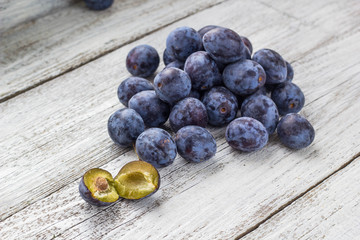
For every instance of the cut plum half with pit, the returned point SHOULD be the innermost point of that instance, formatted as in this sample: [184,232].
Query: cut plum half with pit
[97,187]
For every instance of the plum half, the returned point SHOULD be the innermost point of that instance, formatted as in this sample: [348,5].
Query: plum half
[97,188]
[135,180]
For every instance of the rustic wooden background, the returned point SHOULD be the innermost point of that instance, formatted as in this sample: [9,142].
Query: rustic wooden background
[60,65]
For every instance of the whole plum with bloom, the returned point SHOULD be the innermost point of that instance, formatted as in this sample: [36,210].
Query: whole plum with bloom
[202,70]
[189,111]
[131,86]
[273,64]
[152,110]
[288,97]
[157,147]
[172,85]
[195,144]
[124,126]
[295,131]
[182,42]
[137,179]
[142,61]
[97,188]
[98,5]
[224,45]
[263,109]
[221,105]
[244,77]
[246,134]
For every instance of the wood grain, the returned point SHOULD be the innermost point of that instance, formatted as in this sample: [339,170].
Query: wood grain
[38,51]
[326,15]
[52,136]
[330,211]
[13,13]
[225,198]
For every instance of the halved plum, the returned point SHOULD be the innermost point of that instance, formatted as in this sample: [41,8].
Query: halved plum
[136,180]
[97,188]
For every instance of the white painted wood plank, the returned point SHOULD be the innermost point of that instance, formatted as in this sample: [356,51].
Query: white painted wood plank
[13,13]
[326,15]
[52,136]
[279,177]
[64,40]
[329,211]
[225,199]
[34,47]
[78,123]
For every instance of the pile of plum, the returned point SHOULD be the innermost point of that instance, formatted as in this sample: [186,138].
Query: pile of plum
[211,77]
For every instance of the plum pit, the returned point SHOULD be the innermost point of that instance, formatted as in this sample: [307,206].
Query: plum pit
[101,184]
[97,187]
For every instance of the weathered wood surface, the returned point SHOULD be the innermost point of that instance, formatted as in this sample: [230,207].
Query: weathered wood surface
[57,131]
[39,50]
[329,211]
[54,127]
[13,13]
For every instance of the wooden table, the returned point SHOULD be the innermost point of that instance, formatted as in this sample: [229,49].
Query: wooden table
[61,65]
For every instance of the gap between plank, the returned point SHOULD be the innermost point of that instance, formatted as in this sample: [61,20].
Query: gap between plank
[253,228]
[17,93]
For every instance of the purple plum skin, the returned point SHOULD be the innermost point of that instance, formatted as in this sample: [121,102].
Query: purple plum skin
[195,144]
[189,111]
[172,85]
[124,126]
[244,77]
[131,86]
[290,72]
[195,94]
[205,29]
[182,42]
[202,70]
[288,97]
[221,105]
[176,64]
[98,5]
[157,147]
[248,44]
[263,109]
[246,134]
[273,64]
[142,61]
[224,45]
[295,131]
[153,111]
[86,195]
[167,57]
